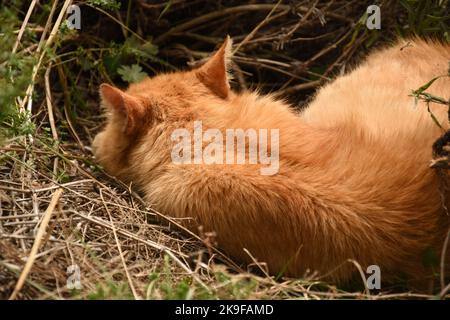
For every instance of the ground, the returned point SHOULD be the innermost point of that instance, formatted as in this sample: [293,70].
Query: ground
[63,219]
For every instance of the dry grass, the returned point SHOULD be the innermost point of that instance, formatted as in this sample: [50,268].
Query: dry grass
[124,248]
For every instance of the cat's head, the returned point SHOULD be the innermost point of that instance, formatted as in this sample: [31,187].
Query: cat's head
[132,113]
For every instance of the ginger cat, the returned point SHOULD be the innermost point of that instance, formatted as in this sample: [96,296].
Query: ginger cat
[354,180]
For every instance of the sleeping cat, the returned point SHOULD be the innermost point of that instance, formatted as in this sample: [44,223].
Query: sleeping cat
[353,182]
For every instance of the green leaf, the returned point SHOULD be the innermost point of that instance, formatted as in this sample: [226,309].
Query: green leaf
[166,8]
[436,121]
[132,73]
[426,86]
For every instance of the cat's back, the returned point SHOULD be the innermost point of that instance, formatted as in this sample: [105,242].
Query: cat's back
[376,95]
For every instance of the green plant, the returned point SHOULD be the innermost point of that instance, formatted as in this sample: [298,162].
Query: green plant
[15,74]
[132,73]
[422,94]
[425,18]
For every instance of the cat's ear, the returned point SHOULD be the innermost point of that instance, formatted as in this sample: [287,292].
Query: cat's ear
[124,105]
[214,73]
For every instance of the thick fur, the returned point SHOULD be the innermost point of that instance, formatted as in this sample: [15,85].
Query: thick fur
[354,179]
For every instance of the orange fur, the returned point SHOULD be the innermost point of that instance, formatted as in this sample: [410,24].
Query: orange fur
[354,179]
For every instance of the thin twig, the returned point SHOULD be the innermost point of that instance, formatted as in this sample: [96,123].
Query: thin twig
[36,244]
[130,282]
[253,32]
